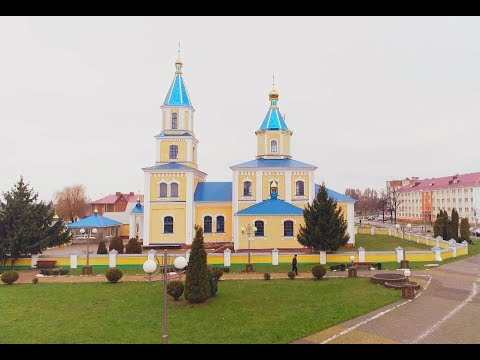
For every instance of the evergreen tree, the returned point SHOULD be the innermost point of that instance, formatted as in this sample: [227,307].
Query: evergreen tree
[26,224]
[464,230]
[133,247]
[455,223]
[438,225]
[102,248]
[117,244]
[325,228]
[447,227]
[197,286]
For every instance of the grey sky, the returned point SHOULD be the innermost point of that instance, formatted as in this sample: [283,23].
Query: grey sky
[367,99]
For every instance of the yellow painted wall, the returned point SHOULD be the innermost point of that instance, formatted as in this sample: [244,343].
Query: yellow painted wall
[273,225]
[462,251]
[241,178]
[244,204]
[215,209]
[165,150]
[124,230]
[420,257]
[157,213]
[266,136]
[180,178]
[340,257]
[369,256]
[279,177]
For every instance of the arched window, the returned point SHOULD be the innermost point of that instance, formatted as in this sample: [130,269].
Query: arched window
[173,190]
[207,224]
[273,146]
[260,228]
[247,188]
[220,224]
[163,190]
[173,151]
[168,225]
[288,228]
[300,188]
[174,120]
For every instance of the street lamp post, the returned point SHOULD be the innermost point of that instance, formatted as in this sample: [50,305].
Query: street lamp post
[88,269]
[249,232]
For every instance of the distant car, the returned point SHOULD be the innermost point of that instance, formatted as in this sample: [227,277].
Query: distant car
[371,218]
[475,231]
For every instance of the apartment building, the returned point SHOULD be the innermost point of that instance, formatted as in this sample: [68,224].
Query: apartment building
[422,199]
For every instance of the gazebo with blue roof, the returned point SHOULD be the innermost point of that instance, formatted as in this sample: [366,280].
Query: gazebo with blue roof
[105,226]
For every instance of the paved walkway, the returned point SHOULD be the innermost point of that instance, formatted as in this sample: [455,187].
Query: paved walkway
[444,312]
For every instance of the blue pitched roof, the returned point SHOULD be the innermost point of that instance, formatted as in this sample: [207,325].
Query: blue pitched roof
[273,120]
[272,163]
[334,195]
[213,191]
[271,207]
[170,165]
[137,209]
[177,95]
[94,220]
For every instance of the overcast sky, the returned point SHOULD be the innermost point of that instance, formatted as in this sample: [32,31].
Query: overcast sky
[368,98]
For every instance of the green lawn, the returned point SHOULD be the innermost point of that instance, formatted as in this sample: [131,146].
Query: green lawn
[384,243]
[253,311]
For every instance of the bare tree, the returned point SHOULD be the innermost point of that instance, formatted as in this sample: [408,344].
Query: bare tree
[70,202]
[394,201]
[383,202]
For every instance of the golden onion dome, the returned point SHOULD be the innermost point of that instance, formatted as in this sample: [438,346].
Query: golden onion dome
[273,95]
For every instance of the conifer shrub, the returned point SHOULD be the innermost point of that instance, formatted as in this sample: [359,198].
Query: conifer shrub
[267,276]
[291,275]
[175,289]
[9,277]
[217,273]
[319,271]
[114,275]
[35,280]
[117,244]
[197,285]
[133,247]
[225,269]
[102,248]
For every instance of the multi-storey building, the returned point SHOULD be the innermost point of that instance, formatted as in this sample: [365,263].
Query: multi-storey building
[421,200]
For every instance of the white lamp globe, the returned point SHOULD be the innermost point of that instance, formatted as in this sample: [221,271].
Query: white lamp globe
[352,258]
[397,226]
[149,266]
[180,262]
[82,231]
[409,226]
[254,228]
[407,272]
[94,231]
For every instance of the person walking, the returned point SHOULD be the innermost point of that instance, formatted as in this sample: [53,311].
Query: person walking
[294,264]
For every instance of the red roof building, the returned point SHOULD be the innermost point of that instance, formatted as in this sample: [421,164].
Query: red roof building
[114,203]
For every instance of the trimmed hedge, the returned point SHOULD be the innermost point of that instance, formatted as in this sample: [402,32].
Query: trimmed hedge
[319,271]
[291,275]
[267,276]
[133,247]
[113,275]
[175,289]
[9,277]
[117,244]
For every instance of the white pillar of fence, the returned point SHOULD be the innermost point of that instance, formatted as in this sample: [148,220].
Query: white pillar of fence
[112,258]
[417,238]
[437,240]
[452,244]
[323,257]
[395,233]
[409,237]
[74,259]
[187,254]
[151,254]
[389,232]
[372,230]
[226,257]
[399,251]
[361,254]
[33,261]
[356,230]
[275,256]
[436,251]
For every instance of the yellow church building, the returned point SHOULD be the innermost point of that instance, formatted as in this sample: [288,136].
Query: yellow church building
[268,192]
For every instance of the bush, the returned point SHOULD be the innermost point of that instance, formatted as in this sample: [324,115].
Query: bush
[113,275]
[212,280]
[217,273]
[291,275]
[64,271]
[102,248]
[267,276]
[9,277]
[35,280]
[225,269]
[133,247]
[175,289]
[117,244]
[46,272]
[55,271]
[319,271]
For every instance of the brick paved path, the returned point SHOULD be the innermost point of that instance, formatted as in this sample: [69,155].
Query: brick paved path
[446,311]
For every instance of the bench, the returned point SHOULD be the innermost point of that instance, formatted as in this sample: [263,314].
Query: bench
[358,264]
[46,263]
